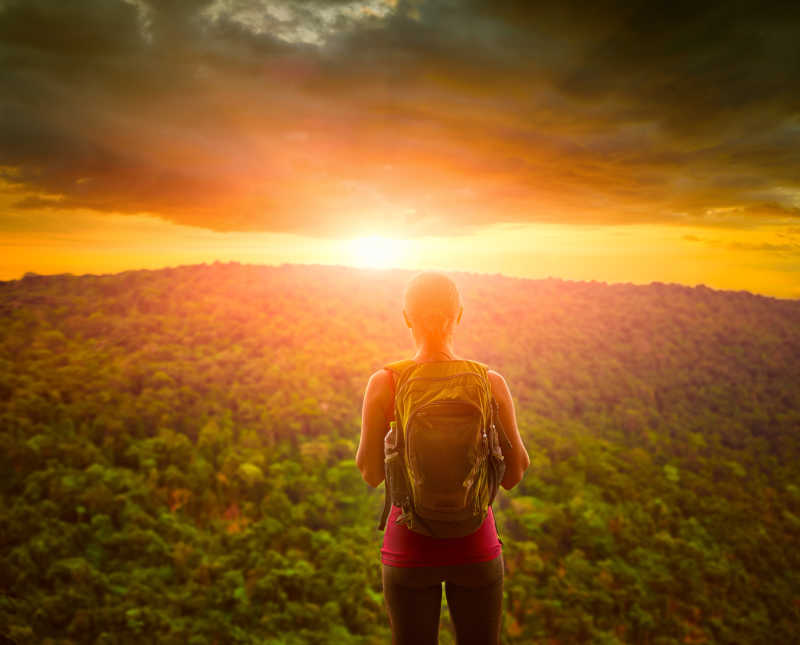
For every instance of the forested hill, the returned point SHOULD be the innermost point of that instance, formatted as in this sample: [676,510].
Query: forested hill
[177,457]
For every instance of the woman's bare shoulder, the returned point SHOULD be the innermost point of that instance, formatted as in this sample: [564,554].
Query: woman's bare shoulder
[380,389]
[499,385]
[380,380]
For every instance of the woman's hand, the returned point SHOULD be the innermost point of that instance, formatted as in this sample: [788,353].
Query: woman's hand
[516,457]
[375,415]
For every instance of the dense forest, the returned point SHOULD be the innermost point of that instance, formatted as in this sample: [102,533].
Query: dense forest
[177,461]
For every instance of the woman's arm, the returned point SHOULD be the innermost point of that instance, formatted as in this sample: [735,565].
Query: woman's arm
[516,457]
[374,426]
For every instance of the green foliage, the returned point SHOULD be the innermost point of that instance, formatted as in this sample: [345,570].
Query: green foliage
[177,457]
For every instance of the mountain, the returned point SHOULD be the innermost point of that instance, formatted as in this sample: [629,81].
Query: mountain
[177,459]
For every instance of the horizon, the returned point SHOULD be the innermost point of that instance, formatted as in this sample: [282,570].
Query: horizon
[386,270]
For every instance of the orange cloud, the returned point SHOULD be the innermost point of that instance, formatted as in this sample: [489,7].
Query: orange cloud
[330,118]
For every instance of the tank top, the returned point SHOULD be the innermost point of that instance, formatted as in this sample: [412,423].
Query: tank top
[403,547]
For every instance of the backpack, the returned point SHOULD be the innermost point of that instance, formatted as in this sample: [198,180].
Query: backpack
[442,457]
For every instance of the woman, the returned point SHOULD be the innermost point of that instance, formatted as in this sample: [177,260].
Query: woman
[415,565]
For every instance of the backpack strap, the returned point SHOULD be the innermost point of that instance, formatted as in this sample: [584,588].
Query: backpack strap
[398,367]
[391,380]
[495,407]
[396,370]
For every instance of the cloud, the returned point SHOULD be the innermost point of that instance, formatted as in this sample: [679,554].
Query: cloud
[328,118]
[789,247]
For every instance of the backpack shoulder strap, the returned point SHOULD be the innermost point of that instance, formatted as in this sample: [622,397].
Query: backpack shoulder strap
[483,369]
[392,381]
[398,367]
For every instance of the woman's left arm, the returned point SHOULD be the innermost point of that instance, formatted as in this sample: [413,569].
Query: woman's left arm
[517,459]
[374,426]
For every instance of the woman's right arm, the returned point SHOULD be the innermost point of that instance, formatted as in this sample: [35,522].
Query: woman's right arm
[378,400]
[516,457]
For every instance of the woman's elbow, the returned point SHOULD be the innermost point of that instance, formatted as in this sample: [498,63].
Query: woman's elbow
[373,478]
[510,480]
[370,475]
[513,475]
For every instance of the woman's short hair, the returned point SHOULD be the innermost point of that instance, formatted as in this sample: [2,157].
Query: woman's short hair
[431,302]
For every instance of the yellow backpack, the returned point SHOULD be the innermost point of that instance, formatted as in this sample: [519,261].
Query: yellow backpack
[442,455]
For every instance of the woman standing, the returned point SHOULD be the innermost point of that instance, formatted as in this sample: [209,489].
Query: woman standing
[415,565]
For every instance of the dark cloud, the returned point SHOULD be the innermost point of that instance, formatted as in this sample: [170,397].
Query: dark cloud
[330,117]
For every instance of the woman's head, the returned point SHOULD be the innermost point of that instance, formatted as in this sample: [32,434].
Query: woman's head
[431,306]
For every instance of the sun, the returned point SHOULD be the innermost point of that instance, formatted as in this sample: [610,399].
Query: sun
[375,252]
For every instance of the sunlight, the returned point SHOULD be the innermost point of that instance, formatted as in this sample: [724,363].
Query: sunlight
[375,252]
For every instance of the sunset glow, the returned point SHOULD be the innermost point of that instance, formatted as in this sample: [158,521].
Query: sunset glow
[377,134]
[375,252]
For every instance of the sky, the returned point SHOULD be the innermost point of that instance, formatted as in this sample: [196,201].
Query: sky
[609,141]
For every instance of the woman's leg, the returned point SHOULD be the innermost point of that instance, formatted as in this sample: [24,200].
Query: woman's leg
[475,599]
[413,599]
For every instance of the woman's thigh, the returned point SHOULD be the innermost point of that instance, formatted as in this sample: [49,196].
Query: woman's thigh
[413,599]
[475,600]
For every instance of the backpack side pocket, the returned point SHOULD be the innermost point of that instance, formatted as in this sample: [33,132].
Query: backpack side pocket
[497,463]
[394,468]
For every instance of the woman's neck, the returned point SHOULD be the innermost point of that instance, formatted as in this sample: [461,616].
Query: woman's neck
[435,351]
